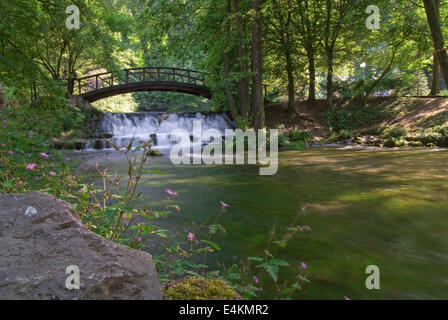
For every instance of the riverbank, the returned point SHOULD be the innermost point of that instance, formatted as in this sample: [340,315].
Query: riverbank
[385,121]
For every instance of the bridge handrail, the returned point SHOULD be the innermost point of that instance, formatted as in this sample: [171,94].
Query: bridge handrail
[190,77]
[142,68]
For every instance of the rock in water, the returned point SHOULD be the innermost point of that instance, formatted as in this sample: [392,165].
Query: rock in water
[42,238]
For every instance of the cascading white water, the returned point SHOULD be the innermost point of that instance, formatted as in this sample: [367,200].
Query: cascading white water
[141,125]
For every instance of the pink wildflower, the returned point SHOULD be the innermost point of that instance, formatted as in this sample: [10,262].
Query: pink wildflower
[52,173]
[223,204]
[10,152]
[171,193]
[304,266]
[256,280]
[43,154]
[346,298]
[31,166]
[190,237]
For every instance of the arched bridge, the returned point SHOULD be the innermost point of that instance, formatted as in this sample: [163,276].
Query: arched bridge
[107,84]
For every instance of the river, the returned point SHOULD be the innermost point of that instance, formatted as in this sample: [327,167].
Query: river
[382,207]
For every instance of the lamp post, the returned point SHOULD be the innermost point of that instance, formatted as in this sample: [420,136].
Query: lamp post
[363,67]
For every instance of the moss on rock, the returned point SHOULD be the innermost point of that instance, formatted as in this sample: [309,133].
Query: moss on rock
[197,288]
[153,153]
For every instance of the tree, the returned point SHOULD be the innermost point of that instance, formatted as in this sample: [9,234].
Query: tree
[229,93]
[335,13]
[242,59]
[280,35]
[437,36]
[309,32]
[435,88]
[257,65]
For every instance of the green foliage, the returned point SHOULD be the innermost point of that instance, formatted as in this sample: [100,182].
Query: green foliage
[246,276]
[394,142]
[354,116]
[375,131]
[172,102]
[25,142]
[297,135]
[120,103]
[395,132]
[294,139]
[432,136]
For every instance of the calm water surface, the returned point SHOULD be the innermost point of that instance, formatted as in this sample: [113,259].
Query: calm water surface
[387,208]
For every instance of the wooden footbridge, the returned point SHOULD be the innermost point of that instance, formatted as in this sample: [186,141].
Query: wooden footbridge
[102,85]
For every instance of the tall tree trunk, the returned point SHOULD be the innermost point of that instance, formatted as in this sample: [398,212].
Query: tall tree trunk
[291,89]
[437,37]
[229,94]
[435,88]
[243,83]
[312,74]
[329,50]
[257,66]
[330,89]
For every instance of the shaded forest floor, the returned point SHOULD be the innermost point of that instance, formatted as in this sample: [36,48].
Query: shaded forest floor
[309,116]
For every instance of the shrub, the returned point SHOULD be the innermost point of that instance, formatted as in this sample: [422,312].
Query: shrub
[296,135]
[346,134]
[375,131]
[395,132]
[354,116]
[394,142]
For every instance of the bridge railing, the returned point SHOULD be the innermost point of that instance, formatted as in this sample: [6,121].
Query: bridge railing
[136,75]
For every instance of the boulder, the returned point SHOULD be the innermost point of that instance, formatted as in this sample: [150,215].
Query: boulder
[43,242]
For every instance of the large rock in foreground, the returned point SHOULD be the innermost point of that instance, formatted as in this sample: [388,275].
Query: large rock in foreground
[40,236]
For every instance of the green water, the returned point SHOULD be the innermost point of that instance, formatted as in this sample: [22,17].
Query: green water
[385,208]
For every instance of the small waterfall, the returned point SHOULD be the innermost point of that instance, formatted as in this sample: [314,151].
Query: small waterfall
[120,128]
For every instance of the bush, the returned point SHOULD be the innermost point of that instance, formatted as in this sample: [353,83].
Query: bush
[296,135]
[395,132]
[375,131]
[394,142]
[346,134]
[27,161]
[354,116]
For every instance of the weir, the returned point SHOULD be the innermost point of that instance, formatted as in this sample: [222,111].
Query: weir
[120,128]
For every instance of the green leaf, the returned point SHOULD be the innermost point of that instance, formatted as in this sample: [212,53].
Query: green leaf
[257,259]
[304,279]
[281,243]
[279,262]
[272,270]
[214,245]
[234,276]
